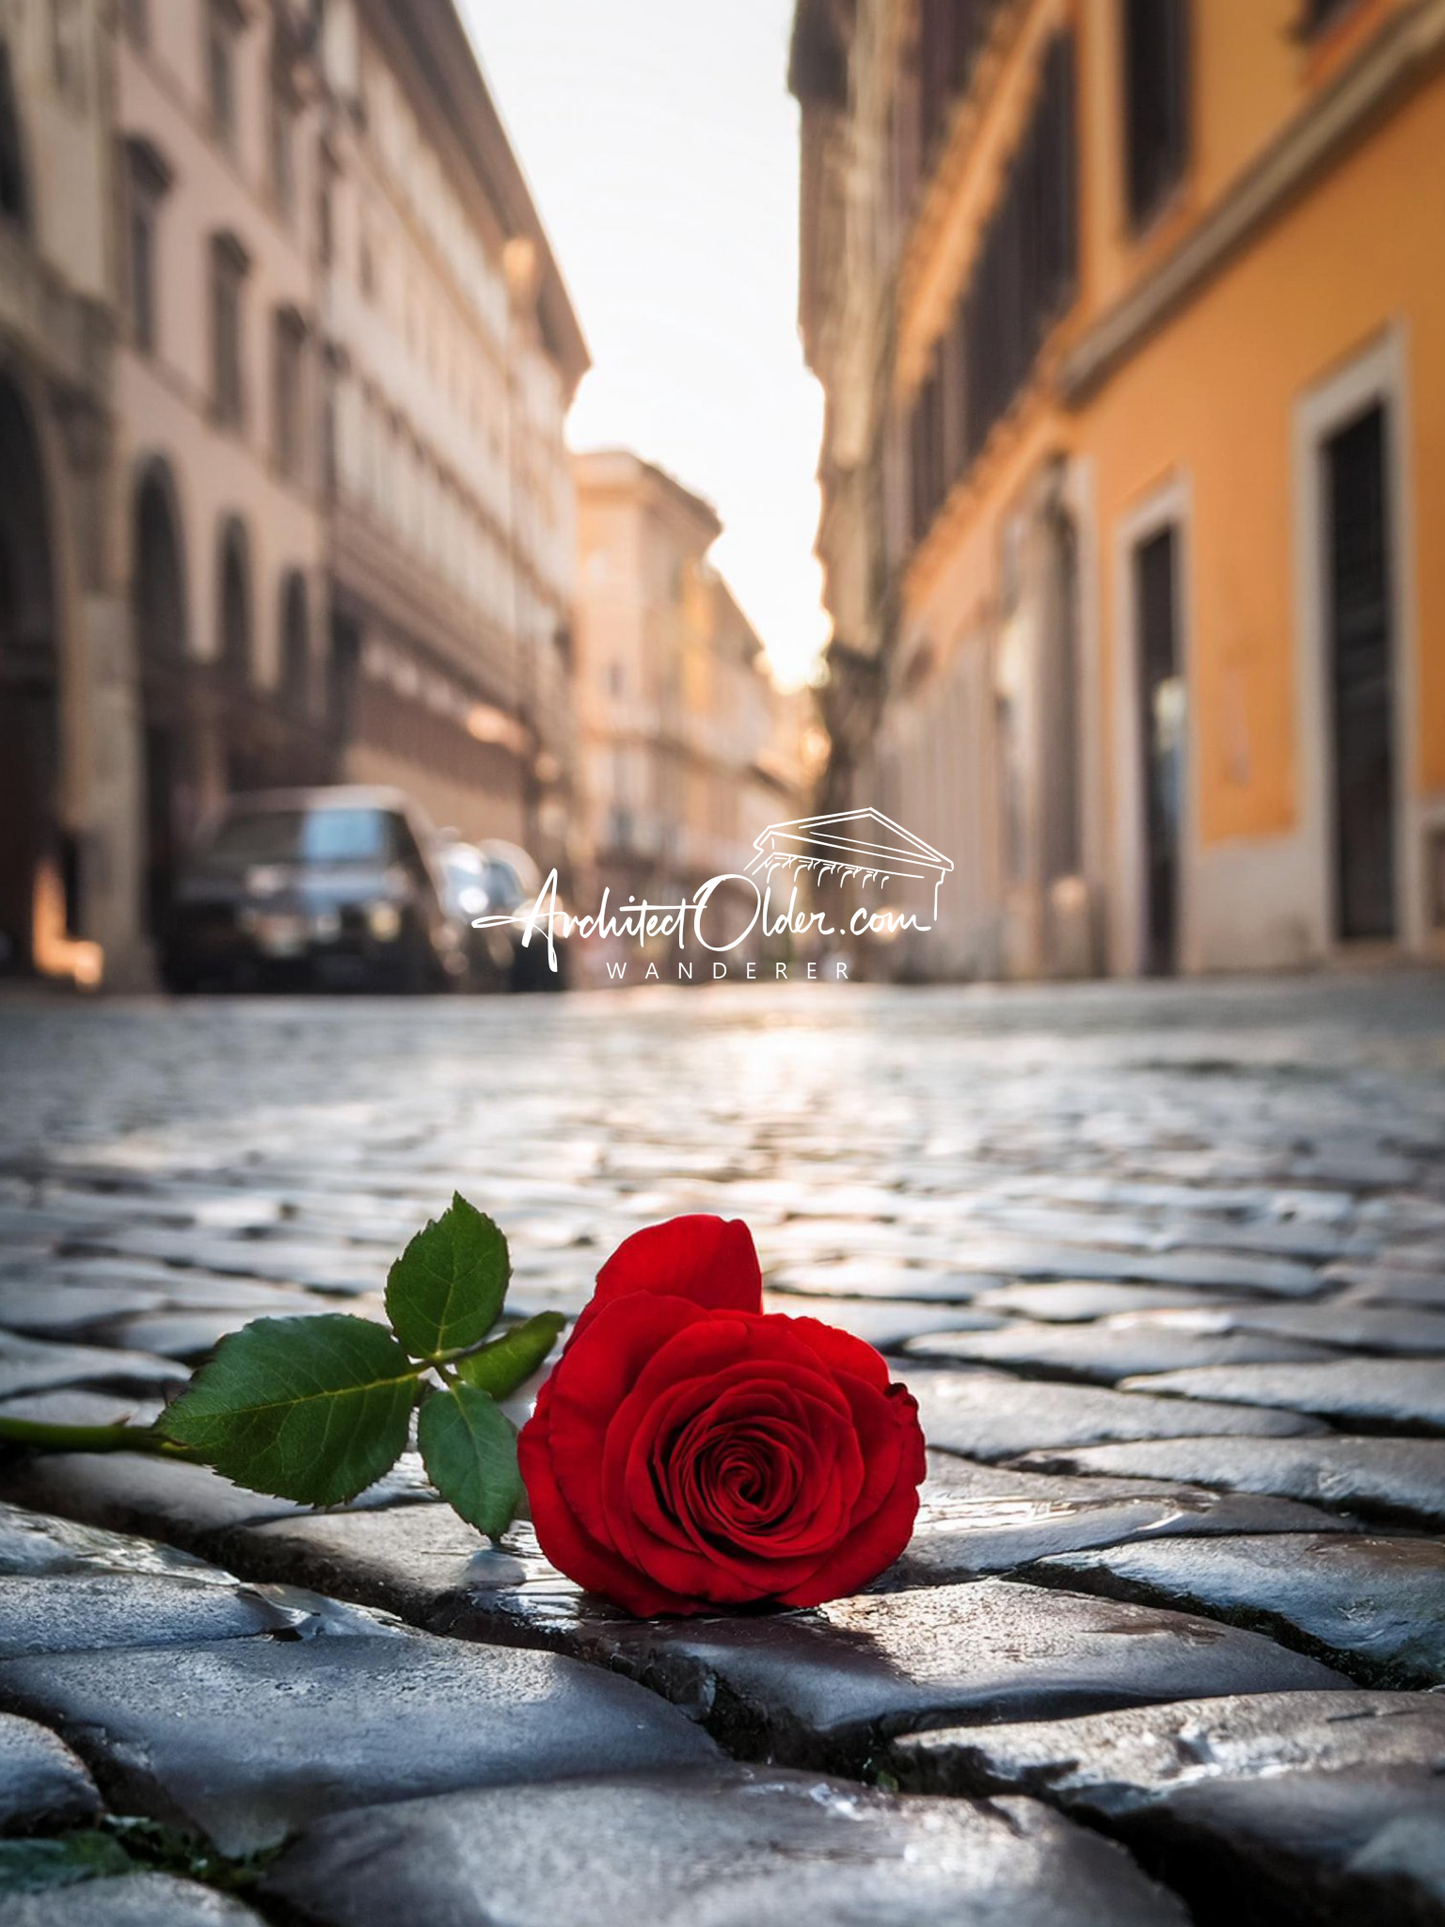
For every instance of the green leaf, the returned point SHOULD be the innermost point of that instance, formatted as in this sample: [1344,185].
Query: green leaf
[469,1449]
[30,1866]
[312,1409]
[445,1291]
[499,1368]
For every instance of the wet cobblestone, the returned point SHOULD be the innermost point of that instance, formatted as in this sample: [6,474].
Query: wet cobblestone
[1165,1266]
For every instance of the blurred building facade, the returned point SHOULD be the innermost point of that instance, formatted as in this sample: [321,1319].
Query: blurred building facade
[218,394]
[284,362]
[453,354]
[66,765]
[1133,337]
[689,749]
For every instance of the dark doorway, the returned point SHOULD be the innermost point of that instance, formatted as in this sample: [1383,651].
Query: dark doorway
[1361,695]
[343,674]
[159,605]
[243,726]
[30,841]
[1163,722]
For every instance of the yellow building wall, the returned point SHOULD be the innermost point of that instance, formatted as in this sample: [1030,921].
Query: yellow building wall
[1251,73]
[1211,398]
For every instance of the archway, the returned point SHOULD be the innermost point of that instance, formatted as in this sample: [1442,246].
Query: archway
[244,756]
[295,691]
[300,755]
[30,847]
[14,186]
[158,601]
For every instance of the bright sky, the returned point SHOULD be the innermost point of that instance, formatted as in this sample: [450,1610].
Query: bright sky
[661,145]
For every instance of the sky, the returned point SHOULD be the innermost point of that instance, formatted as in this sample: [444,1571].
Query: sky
[661,146]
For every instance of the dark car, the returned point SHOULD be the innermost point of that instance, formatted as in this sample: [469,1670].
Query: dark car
[497,879]
[327,887]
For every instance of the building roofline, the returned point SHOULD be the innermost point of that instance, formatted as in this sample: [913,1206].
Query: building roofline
[439,41]
[613,467]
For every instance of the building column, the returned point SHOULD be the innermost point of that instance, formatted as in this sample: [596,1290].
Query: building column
[101,797]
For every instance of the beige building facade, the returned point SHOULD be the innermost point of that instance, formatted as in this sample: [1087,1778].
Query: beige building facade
[218,117]
[689,750]
[452,354]
[284,364]
[66,761]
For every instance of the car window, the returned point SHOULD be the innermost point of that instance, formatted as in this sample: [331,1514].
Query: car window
[503,887]
[304,836]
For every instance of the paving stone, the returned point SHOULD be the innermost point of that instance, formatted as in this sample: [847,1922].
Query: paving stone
[408,1559]
[48,1309]
[1392,1329]
[1319,1809]
[888,1322]
[247,1739]
[130,1900]
[191,1335]
[42,1783]
[821,1688]
[78,1613]
[993,1415]
[1072,1300]
[135,1492]
[190,1504]
[1400,1481]
[865,1278]
[33,1543]
[1372,1606]
[731,1847]
[959,1536]
[1385,1287]
[1106,1352]
[29,1365]
[1373,1394]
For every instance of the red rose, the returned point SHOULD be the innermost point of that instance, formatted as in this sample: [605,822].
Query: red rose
[690,1451]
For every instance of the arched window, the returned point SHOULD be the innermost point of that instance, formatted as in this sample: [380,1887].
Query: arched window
[235,652]
[158,594]
[295,689]
[14,196]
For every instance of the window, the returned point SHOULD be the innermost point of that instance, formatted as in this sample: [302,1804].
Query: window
[288,352]
[325,187]
[1319,14]
[282,140]
[1023,279]
[67,47]
[148,178]
[143,272]
[223,25]
[14,200]
[137,18]
[229,263]
[1156,102]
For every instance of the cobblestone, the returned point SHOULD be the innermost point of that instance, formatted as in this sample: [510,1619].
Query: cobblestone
[721,1849]
[1164,1265]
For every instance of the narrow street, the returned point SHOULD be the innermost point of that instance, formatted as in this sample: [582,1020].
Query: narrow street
[1165,1266]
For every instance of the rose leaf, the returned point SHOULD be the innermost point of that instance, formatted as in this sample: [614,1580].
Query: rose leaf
[508,1361]
[469,1449]
[445,1291]
[311,1409]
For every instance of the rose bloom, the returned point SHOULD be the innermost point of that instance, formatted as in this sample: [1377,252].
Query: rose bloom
[690,1451]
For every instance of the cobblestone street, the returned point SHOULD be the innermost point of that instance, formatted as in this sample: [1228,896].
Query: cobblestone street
[1164,1266]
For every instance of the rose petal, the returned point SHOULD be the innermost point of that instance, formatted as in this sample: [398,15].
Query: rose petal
[590,1386]
[709,1261]
[569,1547]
